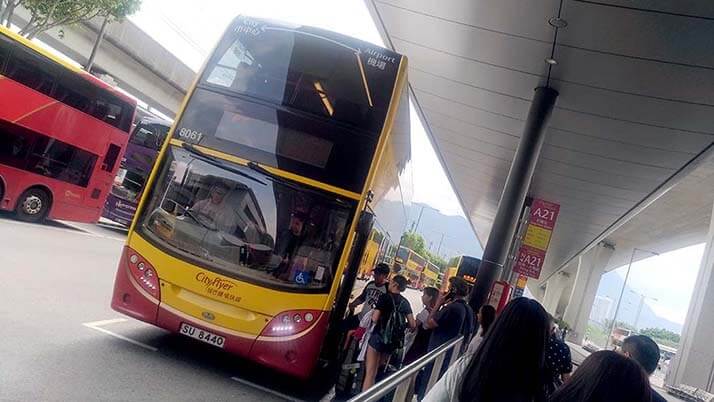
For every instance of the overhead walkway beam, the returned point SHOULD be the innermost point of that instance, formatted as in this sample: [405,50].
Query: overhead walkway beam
[514,194]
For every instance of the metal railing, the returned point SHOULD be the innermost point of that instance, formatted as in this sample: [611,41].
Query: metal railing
[403,380]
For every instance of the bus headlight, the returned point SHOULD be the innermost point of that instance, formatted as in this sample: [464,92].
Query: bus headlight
[143,273]
[290,323]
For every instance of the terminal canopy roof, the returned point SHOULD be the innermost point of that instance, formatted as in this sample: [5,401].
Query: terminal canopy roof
[636,106]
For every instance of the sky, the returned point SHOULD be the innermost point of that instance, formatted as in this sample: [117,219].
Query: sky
[190,33]
[669,278]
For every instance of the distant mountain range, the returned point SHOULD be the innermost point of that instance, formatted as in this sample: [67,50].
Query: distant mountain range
[458,237]
[611,285]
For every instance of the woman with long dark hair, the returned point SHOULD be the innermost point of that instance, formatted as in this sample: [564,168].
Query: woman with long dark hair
[508,365]
[606,376]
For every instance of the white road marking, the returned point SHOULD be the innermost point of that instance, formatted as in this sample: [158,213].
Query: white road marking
[105,322]
[95,326]
[266,389]
[89,233]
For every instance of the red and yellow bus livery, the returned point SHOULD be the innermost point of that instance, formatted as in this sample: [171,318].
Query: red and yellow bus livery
[244,232]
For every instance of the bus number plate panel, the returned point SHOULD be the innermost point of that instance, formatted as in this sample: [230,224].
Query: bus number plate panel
[201,335]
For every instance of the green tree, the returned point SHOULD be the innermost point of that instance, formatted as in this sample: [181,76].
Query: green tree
[620,324]
[437,260]
[47,14]
[414,241]
[661,334]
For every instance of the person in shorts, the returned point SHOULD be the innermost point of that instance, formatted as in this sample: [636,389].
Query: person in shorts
[390,305]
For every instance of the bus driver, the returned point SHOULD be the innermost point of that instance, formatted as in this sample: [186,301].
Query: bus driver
[215,209]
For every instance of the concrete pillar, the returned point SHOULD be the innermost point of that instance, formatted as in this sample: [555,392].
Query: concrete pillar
[554,290]
[590,268]
[514,194]
[565,297]
[694,363]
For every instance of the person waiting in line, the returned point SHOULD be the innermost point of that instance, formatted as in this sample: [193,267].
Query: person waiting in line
[451,318]
[606,376]
[558,361]
[416,345]
[452,315]
[644,351]
[391,316]
[360,325]
[373,290]
[485,317]
[508,364]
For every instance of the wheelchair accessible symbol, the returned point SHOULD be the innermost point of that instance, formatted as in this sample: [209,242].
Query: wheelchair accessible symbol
[302,278]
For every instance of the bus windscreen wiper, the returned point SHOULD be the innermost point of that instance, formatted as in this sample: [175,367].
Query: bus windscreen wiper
[190,214]
[218,163]
[255,166]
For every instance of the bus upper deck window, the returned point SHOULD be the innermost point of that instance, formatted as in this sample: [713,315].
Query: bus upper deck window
[27,69]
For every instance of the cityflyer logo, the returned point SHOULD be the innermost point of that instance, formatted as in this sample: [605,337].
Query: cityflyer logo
[70,194]
[218,287]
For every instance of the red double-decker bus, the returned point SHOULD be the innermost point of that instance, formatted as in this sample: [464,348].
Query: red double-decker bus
[62,134]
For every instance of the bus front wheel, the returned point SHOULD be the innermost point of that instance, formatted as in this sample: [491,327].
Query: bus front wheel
[33,205]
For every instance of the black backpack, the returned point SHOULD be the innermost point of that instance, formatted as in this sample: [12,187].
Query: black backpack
[395,327]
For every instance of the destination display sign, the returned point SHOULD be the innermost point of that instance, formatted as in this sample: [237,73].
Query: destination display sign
[531,255]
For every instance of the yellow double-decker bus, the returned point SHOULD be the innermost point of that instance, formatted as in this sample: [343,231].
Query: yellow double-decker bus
[412,263]
[244,235]
[462,266]
[371,254]
[430,276]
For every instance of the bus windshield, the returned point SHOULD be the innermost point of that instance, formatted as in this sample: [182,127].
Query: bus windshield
[241,223]
[306,71]
[403,254]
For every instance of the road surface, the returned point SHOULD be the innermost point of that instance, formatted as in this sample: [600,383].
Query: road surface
[60,341]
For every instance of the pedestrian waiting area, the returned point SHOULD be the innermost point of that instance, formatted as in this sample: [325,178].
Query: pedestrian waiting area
[516,355]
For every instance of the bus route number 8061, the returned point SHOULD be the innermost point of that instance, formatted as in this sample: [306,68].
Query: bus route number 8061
[190,135]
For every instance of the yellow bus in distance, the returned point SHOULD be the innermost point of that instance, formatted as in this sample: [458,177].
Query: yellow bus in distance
[412,265]
[462,266]
[429,276]
[371,254]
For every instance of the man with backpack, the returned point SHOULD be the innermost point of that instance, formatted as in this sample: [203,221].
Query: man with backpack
[391,316]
